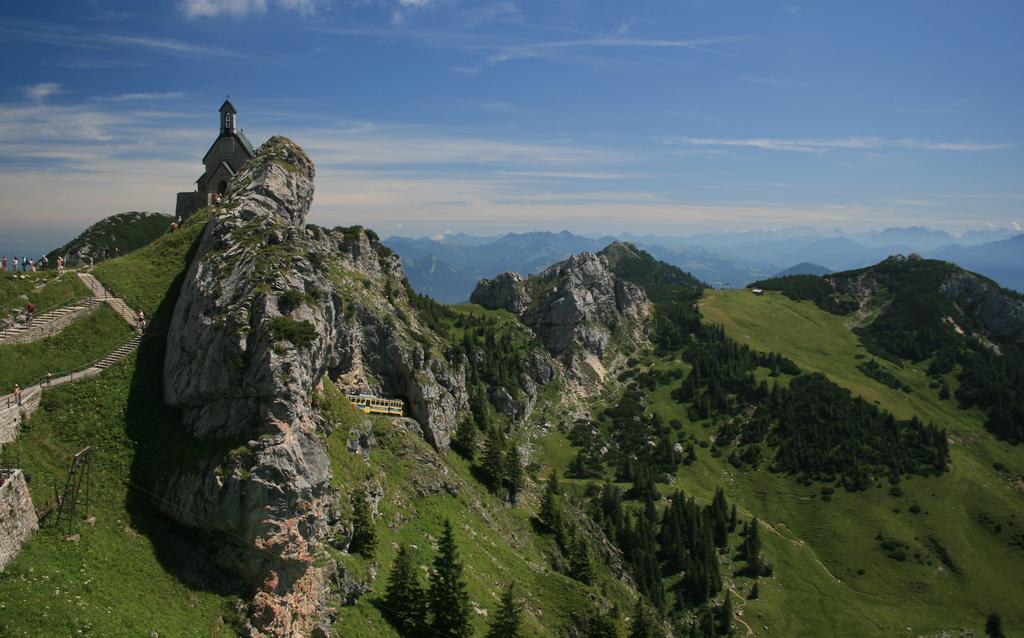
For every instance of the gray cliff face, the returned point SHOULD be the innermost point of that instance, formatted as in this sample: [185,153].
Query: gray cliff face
[1000,314]
[268,308]
[578,308]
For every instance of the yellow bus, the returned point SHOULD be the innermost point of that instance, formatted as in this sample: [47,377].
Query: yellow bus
[377,405]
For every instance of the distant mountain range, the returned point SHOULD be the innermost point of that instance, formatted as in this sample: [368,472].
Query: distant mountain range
[447,267]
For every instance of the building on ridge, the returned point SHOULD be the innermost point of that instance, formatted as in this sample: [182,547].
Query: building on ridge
[228,152]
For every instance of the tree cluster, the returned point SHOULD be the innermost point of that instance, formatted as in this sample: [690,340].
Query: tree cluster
[441,609]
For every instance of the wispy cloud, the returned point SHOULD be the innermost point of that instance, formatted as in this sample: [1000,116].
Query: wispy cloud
[39,92]
[846,143]
[240,8]
[142,97]
[169,45]
[66,36]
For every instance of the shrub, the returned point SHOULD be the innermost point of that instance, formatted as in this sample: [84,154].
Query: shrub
[300,333]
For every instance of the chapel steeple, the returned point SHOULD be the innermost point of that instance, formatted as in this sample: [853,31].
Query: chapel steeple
[227,117]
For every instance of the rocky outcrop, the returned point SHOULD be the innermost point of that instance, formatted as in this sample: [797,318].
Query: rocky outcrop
[17,515]
[579,308]
[110,237]
[999,313]
[268,308]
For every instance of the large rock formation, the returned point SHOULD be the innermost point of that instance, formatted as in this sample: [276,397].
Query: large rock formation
[268,308]
[1000,312]
[579,308]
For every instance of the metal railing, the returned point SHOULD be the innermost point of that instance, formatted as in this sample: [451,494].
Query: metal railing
[45,380]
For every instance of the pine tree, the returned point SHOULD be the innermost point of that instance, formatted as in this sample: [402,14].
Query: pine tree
[754,592]
[466,439]
[725,616]
[732,518]
[403,599]
[580,567]
[512,476]
[364,534]
[447,598]
[644,625]
[944,391]
[493,460]
[597,625]
[550,509]
[508,620]
[994,626]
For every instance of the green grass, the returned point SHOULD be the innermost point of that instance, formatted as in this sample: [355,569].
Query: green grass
[123,577]
[44,289]
[149,276]
[89,338]
[819,547]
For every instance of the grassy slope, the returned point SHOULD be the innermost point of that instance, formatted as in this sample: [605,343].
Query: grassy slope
[498,543]
[112,582]
[128,574]
[86,340]
[144,277]
[44,289]
[889,595]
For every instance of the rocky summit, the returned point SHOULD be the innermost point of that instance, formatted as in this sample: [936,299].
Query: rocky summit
[269,307]
[584,313]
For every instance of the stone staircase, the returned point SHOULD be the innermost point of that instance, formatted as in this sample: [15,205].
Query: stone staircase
[121,352]
[48,323]
[13,414]
[100,292]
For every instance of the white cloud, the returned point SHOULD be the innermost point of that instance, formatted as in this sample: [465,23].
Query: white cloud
[846,143]
[1015,226]
[39,92]
[791,9]
[142,97]
[239,8]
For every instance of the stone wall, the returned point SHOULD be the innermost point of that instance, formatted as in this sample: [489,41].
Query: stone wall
[11,415]
[17,515]
[189,203]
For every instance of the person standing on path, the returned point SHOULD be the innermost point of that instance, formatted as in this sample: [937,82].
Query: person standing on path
[17,394]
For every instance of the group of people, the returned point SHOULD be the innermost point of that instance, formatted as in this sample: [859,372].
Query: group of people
[26,264]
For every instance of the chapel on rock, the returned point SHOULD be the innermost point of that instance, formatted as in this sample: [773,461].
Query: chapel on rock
[229,151]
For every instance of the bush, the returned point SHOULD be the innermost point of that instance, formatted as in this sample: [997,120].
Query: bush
[300,333]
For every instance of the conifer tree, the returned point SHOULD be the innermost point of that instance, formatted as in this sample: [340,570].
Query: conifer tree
[580,567]
[512,476]
[493,460]
[364,534]
[597,625]
[754,592]
[508,620]
[994,626]
[447,598]
[725,616]
[550,509]
[644,625]
[403,598]
[466,439]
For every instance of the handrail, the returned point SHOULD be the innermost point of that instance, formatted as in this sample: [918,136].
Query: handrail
[63,304]
[63,373]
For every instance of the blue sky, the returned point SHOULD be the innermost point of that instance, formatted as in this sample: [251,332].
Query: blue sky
[599,117]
